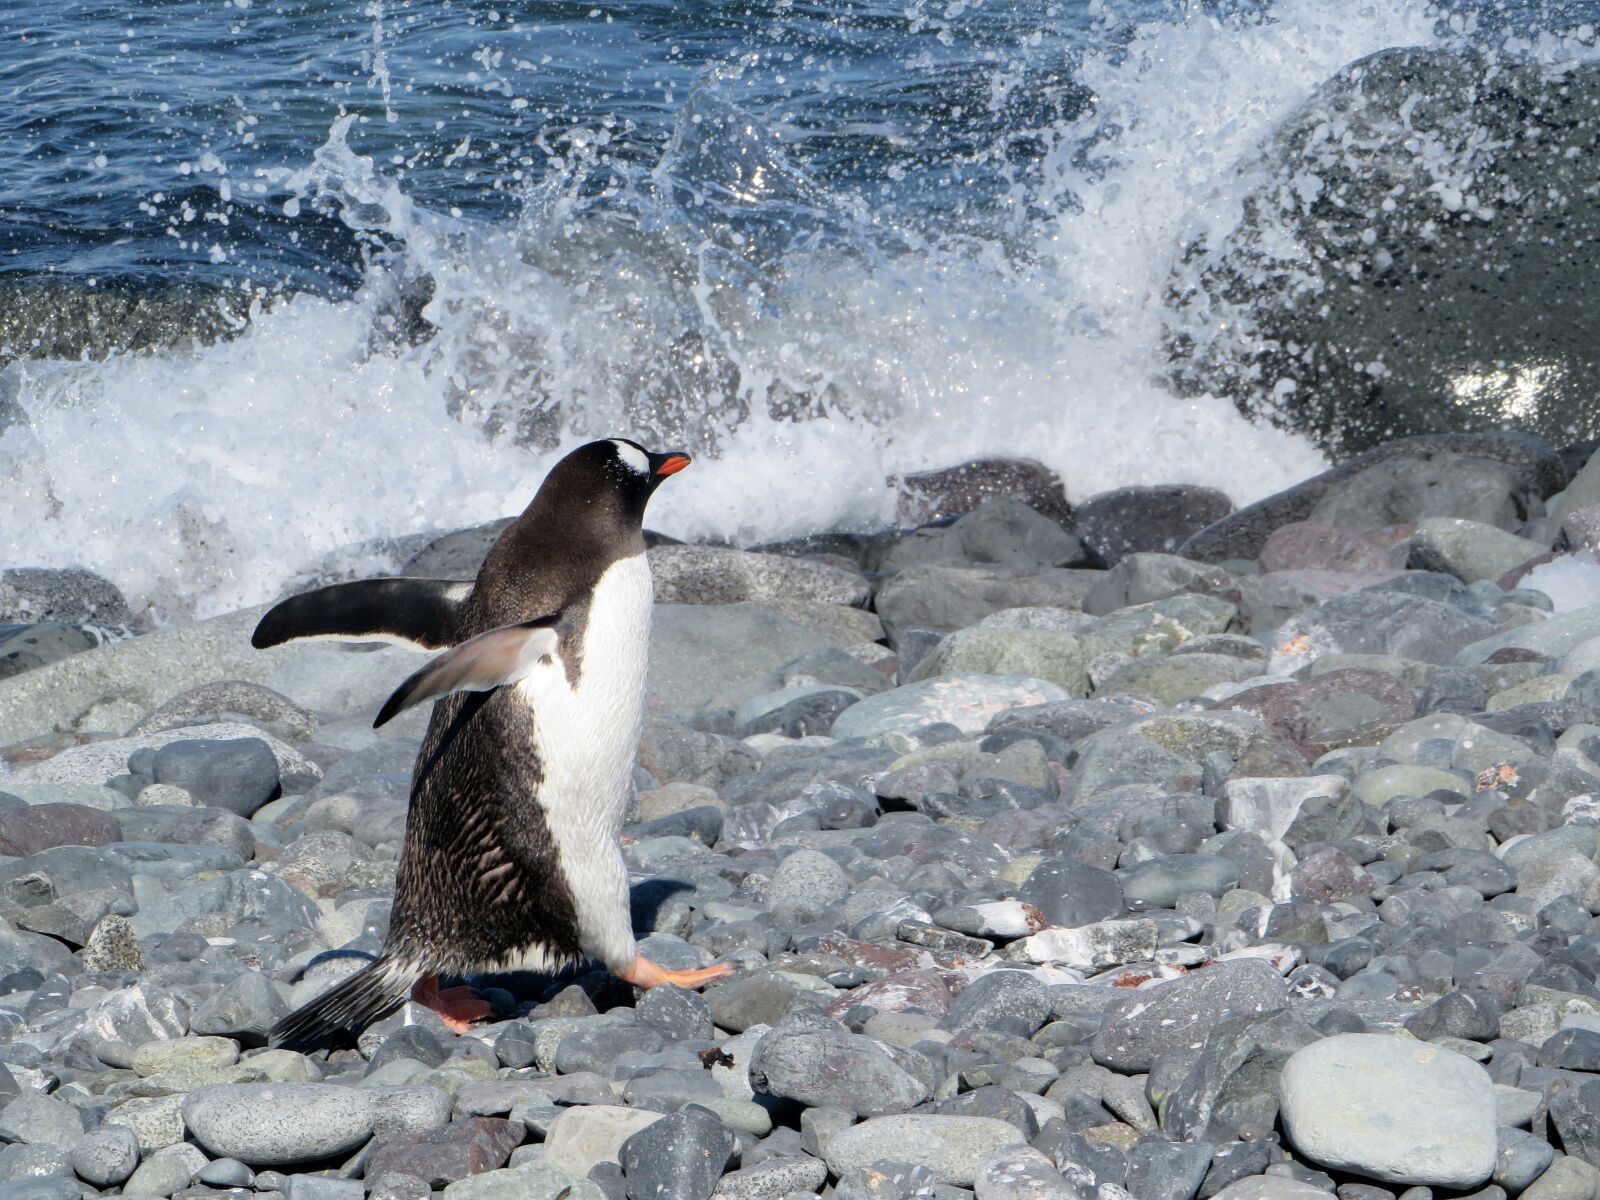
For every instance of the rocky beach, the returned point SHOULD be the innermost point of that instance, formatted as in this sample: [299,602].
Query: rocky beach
[1136,846]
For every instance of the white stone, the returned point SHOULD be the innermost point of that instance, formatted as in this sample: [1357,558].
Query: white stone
[1094,947]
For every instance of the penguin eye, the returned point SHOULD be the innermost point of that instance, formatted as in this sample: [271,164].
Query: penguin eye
[632,457]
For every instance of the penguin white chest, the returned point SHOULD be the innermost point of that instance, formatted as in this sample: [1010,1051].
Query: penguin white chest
[587,738]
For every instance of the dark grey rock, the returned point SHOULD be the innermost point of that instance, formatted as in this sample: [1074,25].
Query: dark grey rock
[1071,893]
[1159,882]
[810,715]
[679,1157]
[597,1047]
[245,1008]
[37,1119]
[1532,469]
[239,775]
[1521,1159]
[29,595]
[834,1069]
[1163,1170]
[1133,520]
[1015,1002]
[758,999]
[1179,1014]
[1570,1050]
[1233,1081]
[1468,1013]
[925,496]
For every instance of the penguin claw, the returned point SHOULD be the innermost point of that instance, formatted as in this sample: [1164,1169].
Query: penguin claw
[644,974]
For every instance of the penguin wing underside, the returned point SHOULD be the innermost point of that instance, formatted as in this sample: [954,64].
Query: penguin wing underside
[478,664]
[420,613]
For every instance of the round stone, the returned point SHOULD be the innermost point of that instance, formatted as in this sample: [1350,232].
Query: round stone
[276,1124]
[1391,1109]
[953,1148]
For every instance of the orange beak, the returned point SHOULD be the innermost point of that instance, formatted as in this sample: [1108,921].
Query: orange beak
[673,463]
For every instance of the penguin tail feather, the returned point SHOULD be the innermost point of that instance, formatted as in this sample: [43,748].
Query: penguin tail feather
[335,1017]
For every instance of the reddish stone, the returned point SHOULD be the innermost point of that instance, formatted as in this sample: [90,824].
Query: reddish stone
[949,492]
[928,989]
[1329,875]
[1287,708]
[1305,545]
[1513,578]
[26,831]
[883,956]
[461,1148]
[1515,654]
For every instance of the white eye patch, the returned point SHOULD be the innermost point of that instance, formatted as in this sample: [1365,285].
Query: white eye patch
[633,457]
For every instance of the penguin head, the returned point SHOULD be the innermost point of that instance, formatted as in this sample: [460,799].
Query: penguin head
[615,476]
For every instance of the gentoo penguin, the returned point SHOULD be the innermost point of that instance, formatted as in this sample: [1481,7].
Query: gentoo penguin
[511,857]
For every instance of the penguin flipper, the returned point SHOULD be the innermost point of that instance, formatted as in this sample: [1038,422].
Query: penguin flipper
[420,613]
[478,664]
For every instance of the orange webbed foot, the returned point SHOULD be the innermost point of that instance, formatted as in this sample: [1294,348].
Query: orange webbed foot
[457,1007]
[644,974]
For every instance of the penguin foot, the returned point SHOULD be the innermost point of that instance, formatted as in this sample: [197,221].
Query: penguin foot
[644,974]
[457,1007]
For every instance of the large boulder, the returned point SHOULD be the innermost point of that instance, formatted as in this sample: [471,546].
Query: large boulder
[1497,478]
[1411,256]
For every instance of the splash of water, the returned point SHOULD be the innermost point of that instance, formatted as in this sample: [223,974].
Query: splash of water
[717,298]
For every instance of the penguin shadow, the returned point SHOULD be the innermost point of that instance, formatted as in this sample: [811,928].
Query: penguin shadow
[512,993]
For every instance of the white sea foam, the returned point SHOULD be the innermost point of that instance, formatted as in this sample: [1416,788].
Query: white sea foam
[205,479]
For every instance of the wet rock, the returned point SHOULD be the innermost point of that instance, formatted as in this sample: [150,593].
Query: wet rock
[1504,473]
[1374,621]
[1001,530]
[949,491]
[29,595]
[724,575]
[1135,520]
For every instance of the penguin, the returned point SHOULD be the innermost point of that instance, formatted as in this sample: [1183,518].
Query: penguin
[512,858]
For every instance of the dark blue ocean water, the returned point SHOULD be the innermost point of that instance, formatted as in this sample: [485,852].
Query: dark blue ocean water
[280,279]
[123,119]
